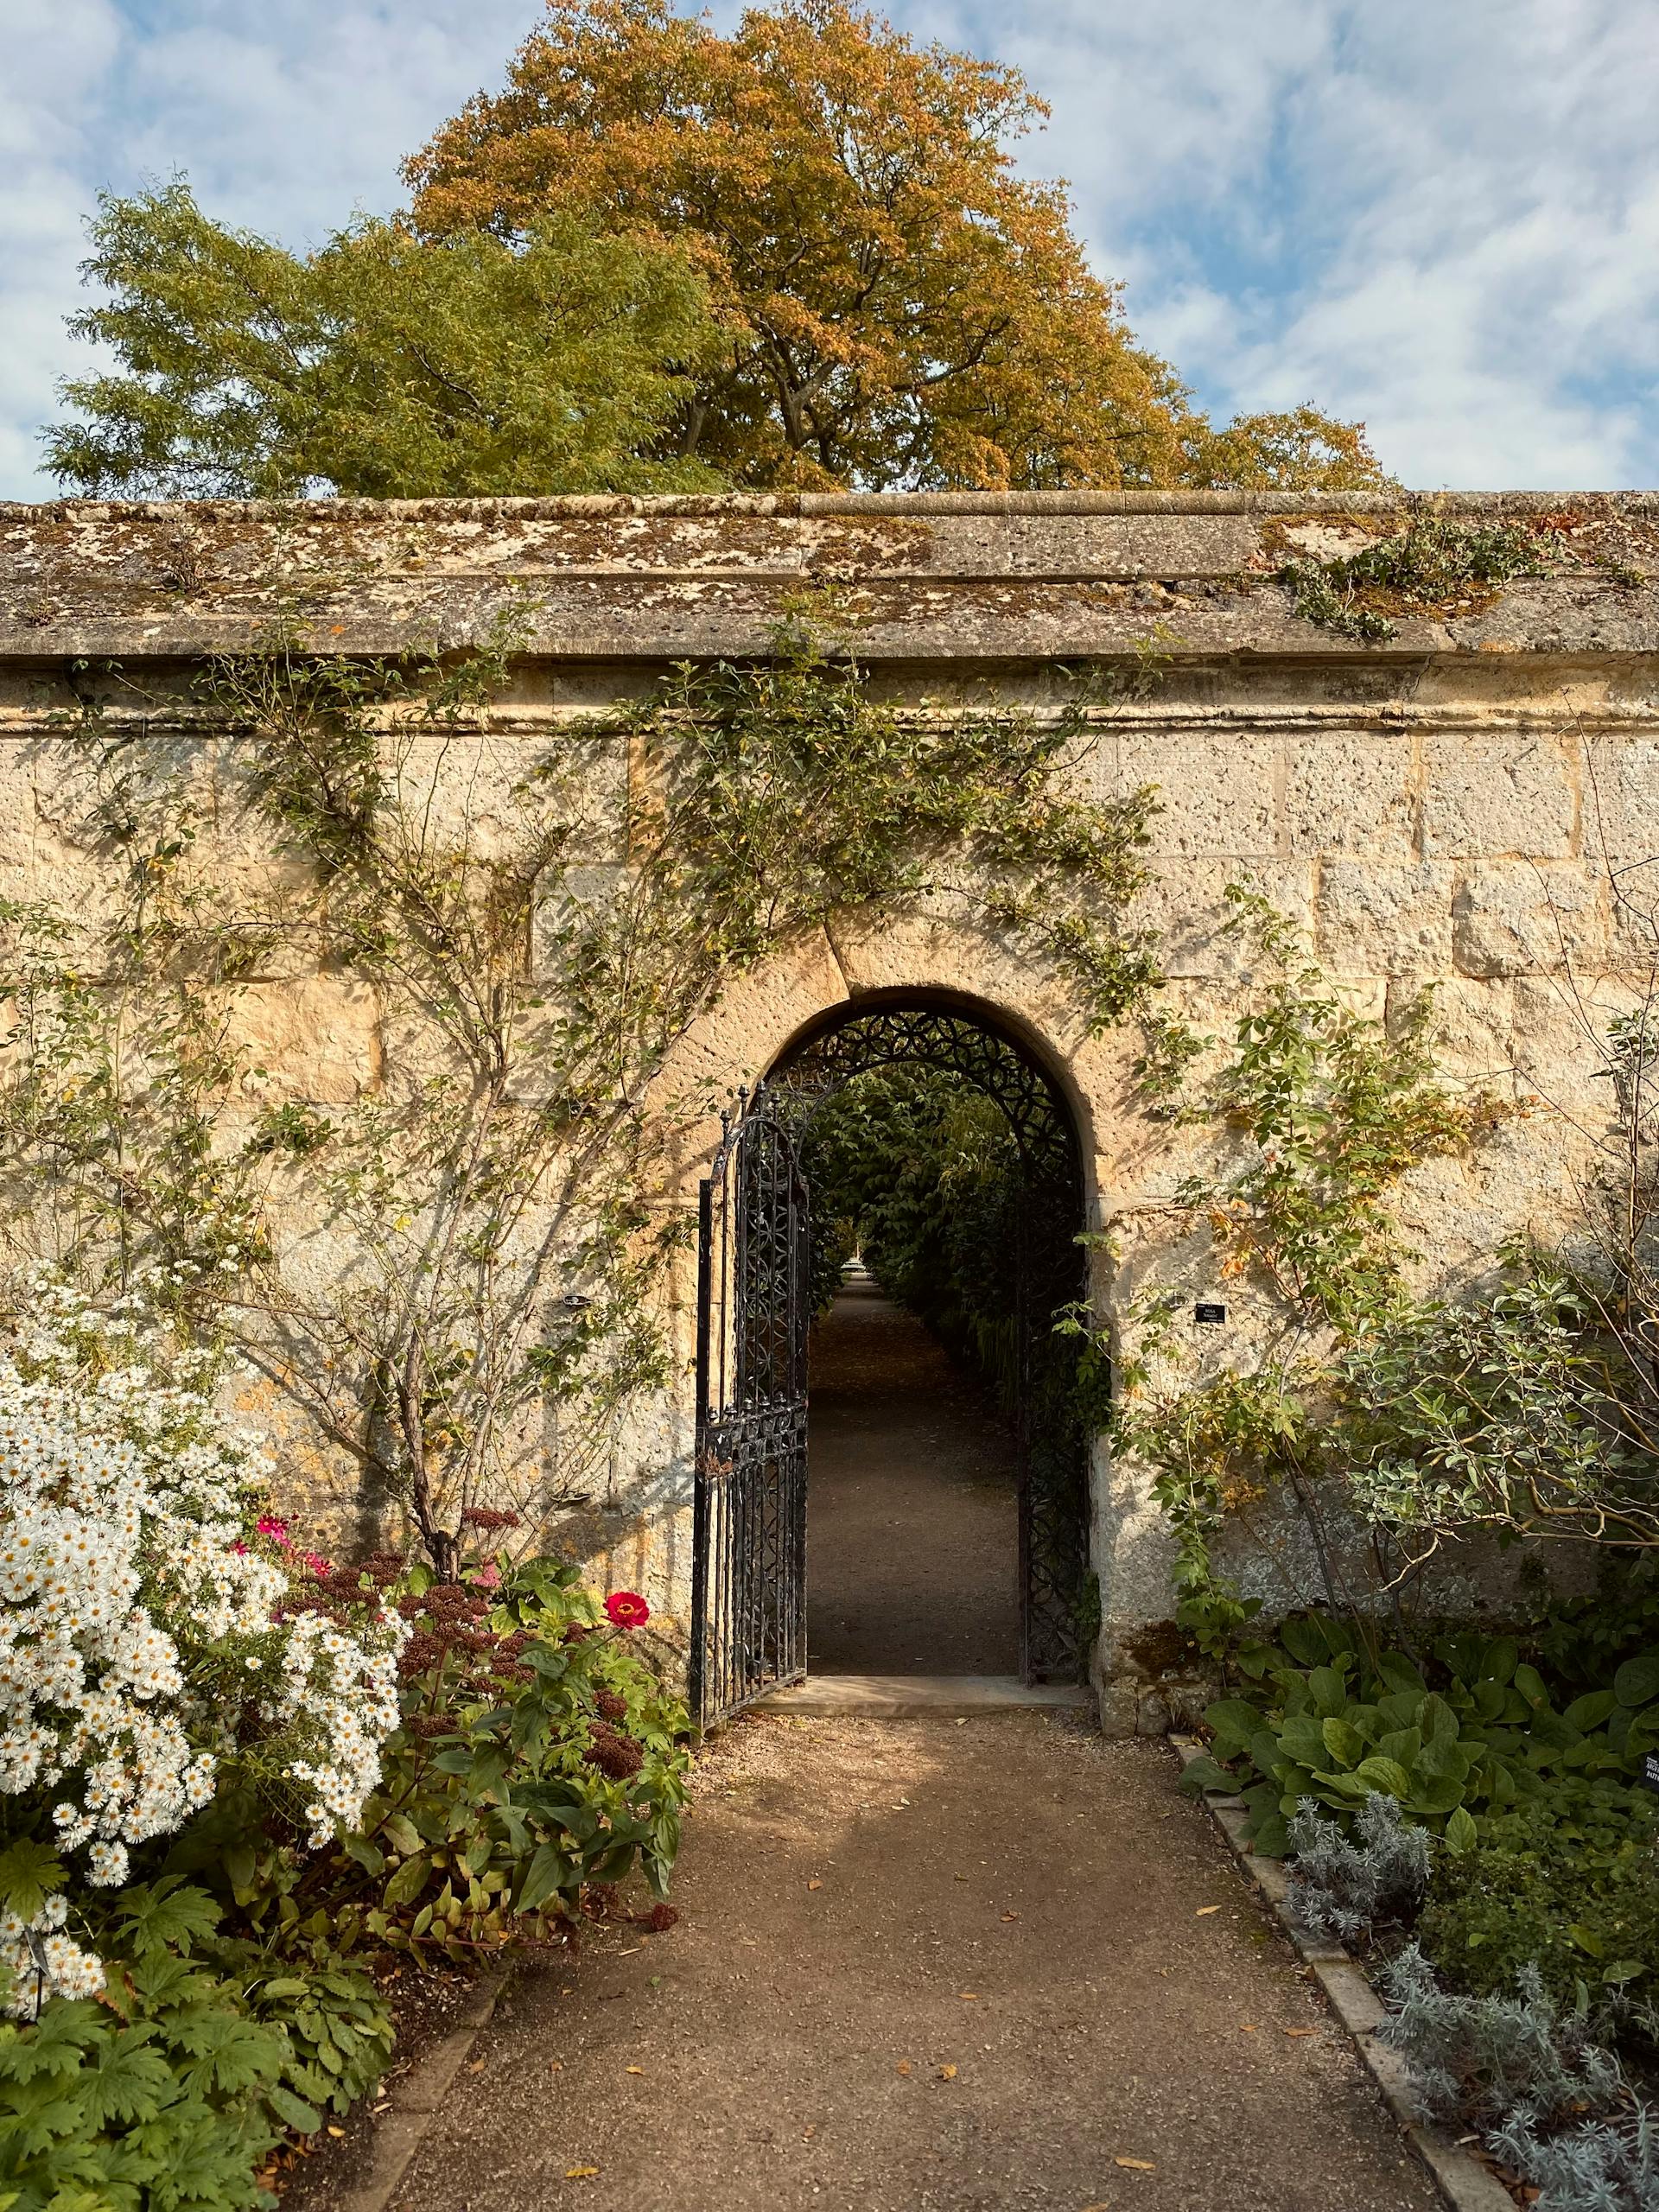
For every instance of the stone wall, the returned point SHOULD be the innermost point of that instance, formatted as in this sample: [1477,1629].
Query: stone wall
[1441,806]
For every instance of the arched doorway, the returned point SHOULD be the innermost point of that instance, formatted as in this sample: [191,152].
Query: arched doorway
[748,1625]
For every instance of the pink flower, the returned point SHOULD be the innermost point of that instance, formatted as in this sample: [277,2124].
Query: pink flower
[489,1574]
[319,1566]
[240,1549]
[269,1525]
[627,1609]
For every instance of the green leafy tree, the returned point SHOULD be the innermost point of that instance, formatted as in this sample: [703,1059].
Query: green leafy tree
[381,366]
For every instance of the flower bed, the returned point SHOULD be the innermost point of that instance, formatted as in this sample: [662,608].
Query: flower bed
[234,1777]
[1470,1818]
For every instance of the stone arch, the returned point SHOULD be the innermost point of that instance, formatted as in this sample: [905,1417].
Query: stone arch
[865,960]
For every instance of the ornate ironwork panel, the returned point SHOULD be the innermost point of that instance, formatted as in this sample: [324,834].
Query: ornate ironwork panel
[748,1614]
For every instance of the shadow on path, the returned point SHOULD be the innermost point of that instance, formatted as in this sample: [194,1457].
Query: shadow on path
[927,1967]
[913,1522]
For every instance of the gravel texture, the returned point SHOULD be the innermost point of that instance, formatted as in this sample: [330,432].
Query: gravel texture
[973,1966]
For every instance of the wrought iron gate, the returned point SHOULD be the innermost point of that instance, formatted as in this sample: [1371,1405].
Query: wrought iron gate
[749,1605]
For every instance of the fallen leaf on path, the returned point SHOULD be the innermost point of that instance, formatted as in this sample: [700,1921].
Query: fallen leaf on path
[337,2132]
[1249,2026]
[969,1996]
[1010,1915]
[1137,2166]
[815,1885]
[1204,1910]
[477,2066]
[580,2173]
[556,2066]
[636,2069]
[903,2066]
[962,1877]
[1103,2205]
[1301,2031]
[947,2073]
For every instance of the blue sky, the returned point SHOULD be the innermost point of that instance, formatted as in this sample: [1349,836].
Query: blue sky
[1442,216]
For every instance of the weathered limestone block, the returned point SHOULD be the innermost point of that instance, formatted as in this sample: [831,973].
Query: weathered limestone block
[1561,1025]
[317,1040]
[1350,794]
[1488,796]
[1385,917]
[1471,1031]
[1186,905]
[1222,799]
[1621,798]
[1513,917]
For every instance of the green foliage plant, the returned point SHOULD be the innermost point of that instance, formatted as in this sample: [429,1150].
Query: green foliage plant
[1324,1112]
[381,367]
[1434,563]
[1565,1882]
[170,2092]
[1516,1411]
[1327,1718]
[538,1760]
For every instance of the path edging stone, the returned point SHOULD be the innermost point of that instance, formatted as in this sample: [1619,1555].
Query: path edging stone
[418,2098]
[1466,2183]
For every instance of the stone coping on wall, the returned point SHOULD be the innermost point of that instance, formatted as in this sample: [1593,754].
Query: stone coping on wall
[923,579]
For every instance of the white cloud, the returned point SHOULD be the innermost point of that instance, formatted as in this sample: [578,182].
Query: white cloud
[1441,219]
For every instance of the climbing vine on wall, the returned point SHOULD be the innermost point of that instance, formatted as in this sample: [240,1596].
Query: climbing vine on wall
[458,1286]
[1329,1110]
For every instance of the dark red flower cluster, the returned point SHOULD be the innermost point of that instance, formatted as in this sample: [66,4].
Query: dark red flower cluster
[611,1707]
[486,1517]
[338,1592]
[617,1756]
[661,1918]
[451,1617]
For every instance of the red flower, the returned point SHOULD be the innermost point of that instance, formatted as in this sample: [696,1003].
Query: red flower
[627,1609]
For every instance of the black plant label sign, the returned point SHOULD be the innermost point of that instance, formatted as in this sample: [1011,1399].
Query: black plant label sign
[1650,1771]
[1211,1317]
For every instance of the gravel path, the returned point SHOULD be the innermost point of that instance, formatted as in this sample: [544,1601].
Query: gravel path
[927,1966]
[912,1528]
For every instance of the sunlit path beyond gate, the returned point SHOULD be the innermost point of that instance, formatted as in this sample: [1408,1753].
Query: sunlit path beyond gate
[927,1967]
[913,1519]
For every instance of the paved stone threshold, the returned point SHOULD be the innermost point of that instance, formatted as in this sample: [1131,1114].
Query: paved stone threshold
[1466,2183]
[898,1696]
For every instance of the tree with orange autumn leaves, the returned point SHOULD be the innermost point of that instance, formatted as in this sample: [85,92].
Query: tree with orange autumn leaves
[663,259]
[899,308]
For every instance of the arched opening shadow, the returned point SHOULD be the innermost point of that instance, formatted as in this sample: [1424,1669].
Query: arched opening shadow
[947,1512]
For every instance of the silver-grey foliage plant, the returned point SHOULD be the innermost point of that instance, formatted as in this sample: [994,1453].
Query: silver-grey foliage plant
[1341,1888]
[1489,2061]
[1601,2165]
